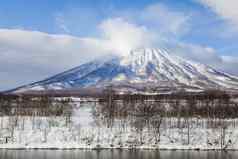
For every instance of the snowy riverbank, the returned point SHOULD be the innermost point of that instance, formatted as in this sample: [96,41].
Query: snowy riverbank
[84,131]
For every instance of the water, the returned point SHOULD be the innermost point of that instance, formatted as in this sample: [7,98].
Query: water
[115,154]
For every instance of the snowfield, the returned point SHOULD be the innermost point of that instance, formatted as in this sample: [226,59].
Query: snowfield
[85,131]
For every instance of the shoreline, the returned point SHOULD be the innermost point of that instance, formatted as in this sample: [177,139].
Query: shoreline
[116,148]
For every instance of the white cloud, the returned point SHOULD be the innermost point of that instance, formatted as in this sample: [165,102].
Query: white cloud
[230,64]
[41,48]
[227,9]
[207,55]
[122,36]
[166,20]
[31,55]
[203,54]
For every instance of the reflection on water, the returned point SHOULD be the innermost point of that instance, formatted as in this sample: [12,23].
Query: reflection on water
[115,154]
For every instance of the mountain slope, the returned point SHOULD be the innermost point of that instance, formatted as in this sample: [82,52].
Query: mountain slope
[155,68]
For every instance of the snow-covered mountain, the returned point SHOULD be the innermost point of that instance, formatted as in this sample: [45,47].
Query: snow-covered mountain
[155,69]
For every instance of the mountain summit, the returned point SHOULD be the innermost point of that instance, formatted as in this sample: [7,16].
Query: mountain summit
[155,69]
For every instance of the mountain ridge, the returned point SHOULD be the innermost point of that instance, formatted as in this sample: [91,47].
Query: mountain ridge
[149,67]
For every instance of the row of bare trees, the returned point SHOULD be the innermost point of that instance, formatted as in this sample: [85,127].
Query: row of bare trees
[153,113]
[14,109]
[210,110]
[35,106]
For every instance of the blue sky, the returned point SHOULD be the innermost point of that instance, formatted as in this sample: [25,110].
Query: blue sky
[35,33]
[82,17]
[40,15]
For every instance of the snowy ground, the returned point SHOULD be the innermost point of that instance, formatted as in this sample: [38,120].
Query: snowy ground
[84,131]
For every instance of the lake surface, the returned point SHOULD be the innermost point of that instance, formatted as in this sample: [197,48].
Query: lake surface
[115,154]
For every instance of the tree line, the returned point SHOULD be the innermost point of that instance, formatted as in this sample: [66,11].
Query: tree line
[208,109]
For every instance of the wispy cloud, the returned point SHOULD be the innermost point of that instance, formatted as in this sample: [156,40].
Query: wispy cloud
[166,20]
[226,9]
[60,22]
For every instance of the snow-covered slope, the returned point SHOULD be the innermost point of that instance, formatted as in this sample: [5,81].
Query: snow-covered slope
[155,68]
